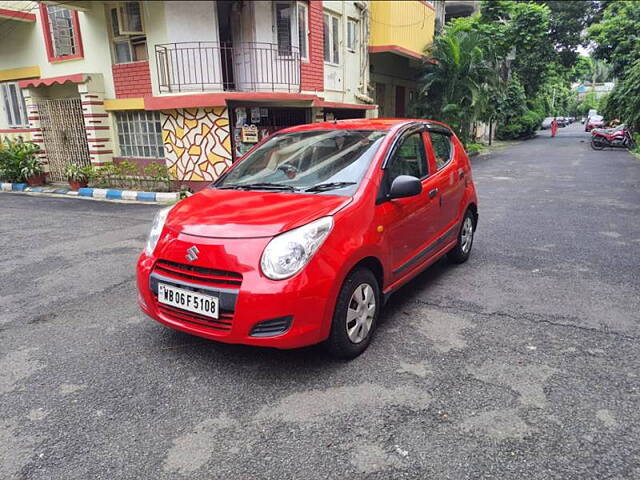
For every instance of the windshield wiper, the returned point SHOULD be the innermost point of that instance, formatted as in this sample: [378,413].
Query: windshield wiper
[260,186]
[323,187]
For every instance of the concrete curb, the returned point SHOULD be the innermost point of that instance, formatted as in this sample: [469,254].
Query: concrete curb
[97,193]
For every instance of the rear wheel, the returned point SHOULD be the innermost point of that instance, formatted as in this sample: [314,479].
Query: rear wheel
[597,144]
[356,314]
[460,253]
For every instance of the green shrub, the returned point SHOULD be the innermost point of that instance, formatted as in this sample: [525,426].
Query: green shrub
[519,127]
[130,176]
[18,158]
[474,148]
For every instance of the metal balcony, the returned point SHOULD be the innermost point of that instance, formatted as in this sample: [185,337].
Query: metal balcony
[240,67]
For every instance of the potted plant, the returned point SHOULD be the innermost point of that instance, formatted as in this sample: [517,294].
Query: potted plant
[13,155]
[77,176]
[32,171]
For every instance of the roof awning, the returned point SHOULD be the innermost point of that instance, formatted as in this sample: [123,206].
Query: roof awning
[17,15]
[47,82]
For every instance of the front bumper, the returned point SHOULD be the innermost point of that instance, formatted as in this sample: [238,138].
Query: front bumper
[306,300]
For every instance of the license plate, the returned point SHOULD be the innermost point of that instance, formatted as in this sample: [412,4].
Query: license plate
[187,300]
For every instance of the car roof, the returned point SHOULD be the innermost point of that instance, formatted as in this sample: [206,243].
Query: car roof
[384,124]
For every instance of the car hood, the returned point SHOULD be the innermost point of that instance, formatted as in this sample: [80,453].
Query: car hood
[249,214]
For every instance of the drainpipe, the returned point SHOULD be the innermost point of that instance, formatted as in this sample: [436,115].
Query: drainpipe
[363,86]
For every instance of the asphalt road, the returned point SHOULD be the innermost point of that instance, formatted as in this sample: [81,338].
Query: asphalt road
[522,363]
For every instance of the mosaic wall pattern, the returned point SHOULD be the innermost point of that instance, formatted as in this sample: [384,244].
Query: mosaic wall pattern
[197,142]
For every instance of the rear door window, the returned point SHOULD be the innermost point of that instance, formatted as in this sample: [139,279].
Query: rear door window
[441,148]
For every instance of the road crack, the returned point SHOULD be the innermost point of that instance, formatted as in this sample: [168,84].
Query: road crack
[536,319]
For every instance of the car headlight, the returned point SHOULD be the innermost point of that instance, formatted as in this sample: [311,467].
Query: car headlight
[156,230]
[289,252]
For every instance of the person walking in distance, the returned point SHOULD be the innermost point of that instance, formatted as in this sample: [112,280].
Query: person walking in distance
[554,127]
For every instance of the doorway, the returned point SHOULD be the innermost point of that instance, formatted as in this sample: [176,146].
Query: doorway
[225,11]
[64,135]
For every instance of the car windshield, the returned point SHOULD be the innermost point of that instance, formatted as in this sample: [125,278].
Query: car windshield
[596,118]
[332,161]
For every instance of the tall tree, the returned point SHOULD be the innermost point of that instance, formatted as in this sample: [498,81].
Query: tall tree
[530,24]
[617,35]
[568,19]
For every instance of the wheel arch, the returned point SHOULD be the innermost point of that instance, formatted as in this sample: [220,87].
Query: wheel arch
[375,265]
[474,210]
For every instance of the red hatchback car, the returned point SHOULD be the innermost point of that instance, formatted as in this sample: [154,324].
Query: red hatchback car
[303,239]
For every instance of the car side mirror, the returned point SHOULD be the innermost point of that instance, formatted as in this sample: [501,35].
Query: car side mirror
[405,186]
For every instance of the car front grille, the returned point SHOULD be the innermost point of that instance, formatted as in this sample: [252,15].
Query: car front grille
[210,281]
[203,275]
[222,323]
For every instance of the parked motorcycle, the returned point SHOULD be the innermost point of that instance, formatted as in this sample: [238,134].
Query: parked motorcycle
[619,137]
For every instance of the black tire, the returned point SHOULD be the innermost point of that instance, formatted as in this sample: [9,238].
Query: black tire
[339,343]
[596,144]
[461,252]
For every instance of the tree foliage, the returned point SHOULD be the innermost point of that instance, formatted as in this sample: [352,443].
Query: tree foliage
[515,119]
[567,22]
[624,101]
[528,54]
[457,80]
[530,25]
[617,35]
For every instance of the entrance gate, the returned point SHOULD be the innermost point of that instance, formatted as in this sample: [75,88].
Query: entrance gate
[65,138]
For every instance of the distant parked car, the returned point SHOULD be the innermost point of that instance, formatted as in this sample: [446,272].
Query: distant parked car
[546,123]
[596,121]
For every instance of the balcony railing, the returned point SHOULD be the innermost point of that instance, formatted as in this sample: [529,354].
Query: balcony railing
[242,67]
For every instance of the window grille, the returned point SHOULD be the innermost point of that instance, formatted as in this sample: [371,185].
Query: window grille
[140,134]
[14,105]
[62,32]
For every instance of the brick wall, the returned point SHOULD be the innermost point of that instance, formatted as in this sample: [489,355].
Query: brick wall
[132,79]
[312,72]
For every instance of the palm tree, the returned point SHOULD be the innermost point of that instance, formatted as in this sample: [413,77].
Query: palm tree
[458,82]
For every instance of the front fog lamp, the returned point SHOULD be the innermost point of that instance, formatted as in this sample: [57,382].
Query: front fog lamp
[156,230]
[289,252]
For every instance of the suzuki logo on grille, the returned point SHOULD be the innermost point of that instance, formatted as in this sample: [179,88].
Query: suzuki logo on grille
[192,253]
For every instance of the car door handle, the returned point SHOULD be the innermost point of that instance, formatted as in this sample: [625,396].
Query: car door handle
[461,174]
[433,193]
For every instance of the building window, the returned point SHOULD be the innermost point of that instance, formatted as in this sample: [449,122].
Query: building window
[303,30]
[283,27]
[127,33]
[61,32]
[352,34]
[140,134]
[14,105]
[331,25]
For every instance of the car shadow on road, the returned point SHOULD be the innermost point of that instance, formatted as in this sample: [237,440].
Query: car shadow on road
[419,286]
[313,359]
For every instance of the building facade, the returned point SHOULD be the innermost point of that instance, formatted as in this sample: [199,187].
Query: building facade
[191,85]
[400,32]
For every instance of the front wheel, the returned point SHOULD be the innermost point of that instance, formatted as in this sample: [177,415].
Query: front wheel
[460,253]
[356,314]
[597,144]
